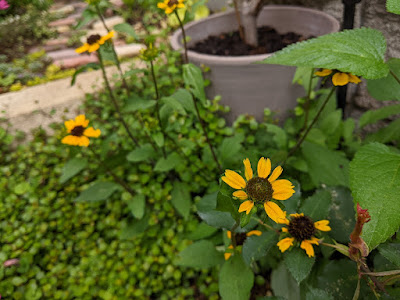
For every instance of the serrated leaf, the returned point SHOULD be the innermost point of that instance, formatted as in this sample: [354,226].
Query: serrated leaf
[256,247]
[280,136]
[298,263]
[137,205]
[386,88]
[193,78]
[235,279]
[181,199]
[375,184]
[317,294]
[202,231]
[331,122]
[141,154]
[135,227]
[390,133]
[358,51]
[317,206]
[326,166]
[126,28]
[391,251]
[136,103]
[200,255]
[167,164]
[72,168]
[225,203]
[393,6]
[283,284]
[174,104]
[229,148]
[185,99]
[99,191]
[107,53]
[217,219]
[372,116]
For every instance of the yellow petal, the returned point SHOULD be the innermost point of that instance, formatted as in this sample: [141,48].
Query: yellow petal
[94,47]
[264,167]
[246,206]
[283,195]
[254,232]
[248,171]
[83,48]
[314,240]
[354,79]
[162,5]
[229,234]
[169,10]
[240,194]
[70,124]
[227,255]
[322,225]
[306,245]
[180,5]
[296,215]
[234,180]
[83,141]
[106,37]
[282,184]
[284,229]
[323,73]
[70,140]
[340,79]
[81,121]
[282,189]
[91,132]
[275,212]
[275,174]
[285,244]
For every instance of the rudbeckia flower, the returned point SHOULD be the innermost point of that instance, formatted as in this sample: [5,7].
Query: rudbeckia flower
[260,189]
[79,133]
[94,41]
[339,78]
[240,238]
[170,5]
[301,229]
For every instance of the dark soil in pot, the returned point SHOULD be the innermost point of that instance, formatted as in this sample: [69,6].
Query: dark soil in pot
[230,44]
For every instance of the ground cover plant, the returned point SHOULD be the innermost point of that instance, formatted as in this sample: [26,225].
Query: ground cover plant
[307,210]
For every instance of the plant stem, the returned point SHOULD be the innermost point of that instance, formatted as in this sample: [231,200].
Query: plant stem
[184,36]
[233,236]
[266,225]
[206,135]
[307,104]
[395,76]
[158,106]
[116,178]
[117,62]
[300,141]
[114,101]
[238,19]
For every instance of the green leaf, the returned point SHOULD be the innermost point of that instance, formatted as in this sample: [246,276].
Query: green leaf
[194,80]
[283,284]
[126,28]
[317,206]
[298,263]
[167,164]
[326,166]
[181,199]
[358,51]
[393,6]
[22,188]
[202,231]
[71,168]
[375,184]
[391,251]
[185,99]
[87,15]
[317,294]
[135,228]
[93,66]
[159,139]
[137,205]
[229,148]
[280,137]
[200,255]
[372,116]
[107,53]
[390,133]
[99,191]
[138,104]
[386,88]
[174,104]
[331,122]
[225,203]
[206,211]
[235,279]
[256,247]
[141,154]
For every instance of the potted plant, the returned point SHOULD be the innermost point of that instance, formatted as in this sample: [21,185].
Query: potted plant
[244,85]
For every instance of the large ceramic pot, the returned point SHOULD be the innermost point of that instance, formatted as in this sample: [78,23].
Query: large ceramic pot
[244,86]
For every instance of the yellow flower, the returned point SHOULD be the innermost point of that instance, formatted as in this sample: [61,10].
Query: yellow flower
[339,78]
[240,238]
[302,229]
[79,133]
[170,5]
[260,189]
[93,42]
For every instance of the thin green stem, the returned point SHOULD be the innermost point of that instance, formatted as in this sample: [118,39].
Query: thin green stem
[183,35]
[233,236]
[308,99]
[300,141]
[114,101]
[206,135]
[265,225]
[158,106]
[395,76]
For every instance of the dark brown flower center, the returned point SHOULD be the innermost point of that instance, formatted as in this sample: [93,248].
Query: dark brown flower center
[301,228]
[172,3]
[93,39]
[240,238]
[77,131]
[259,189]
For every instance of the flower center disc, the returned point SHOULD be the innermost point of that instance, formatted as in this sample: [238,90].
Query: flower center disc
[172,3]
[77,131]
[93,39]
[301,228]
[259,189]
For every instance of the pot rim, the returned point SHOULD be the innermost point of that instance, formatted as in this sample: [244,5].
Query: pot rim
[244,59]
